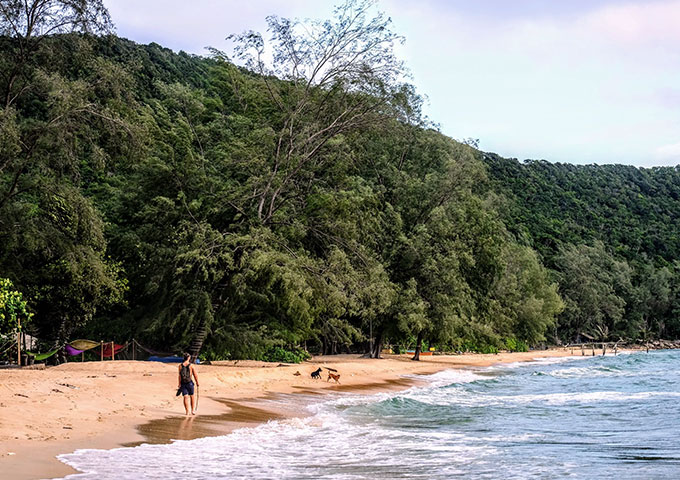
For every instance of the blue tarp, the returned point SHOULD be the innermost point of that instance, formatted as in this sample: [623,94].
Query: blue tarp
[155,358]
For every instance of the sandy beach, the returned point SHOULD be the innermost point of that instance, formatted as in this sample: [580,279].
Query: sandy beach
[49,411]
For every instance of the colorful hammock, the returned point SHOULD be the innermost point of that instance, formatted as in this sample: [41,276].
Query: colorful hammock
[117,348]
[83,344]
[72,351]
[43,356]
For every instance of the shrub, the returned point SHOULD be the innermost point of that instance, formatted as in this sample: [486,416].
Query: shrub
[280,354]
[488,349]
[515,345]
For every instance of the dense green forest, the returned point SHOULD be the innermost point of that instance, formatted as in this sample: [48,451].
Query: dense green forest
[610,235]
[299,202]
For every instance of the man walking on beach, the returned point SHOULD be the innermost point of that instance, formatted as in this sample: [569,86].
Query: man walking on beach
[186,384]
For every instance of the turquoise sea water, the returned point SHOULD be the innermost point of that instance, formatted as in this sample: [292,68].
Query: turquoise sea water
[563,418]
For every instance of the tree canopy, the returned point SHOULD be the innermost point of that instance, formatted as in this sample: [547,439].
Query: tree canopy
[299,200]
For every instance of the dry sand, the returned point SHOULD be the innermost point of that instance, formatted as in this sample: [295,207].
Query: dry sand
[45,412]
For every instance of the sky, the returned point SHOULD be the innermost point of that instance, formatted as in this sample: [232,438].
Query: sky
[572,81]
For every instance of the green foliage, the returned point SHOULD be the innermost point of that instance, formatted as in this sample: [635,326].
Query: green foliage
[488,349]
[283,355]
[514,345]
[608,235]
[13,308]
[197,205]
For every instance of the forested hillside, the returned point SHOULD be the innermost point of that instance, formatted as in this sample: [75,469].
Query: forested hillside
[304,202]
[611,233]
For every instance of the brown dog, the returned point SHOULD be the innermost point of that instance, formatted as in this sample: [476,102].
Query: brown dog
[334,376]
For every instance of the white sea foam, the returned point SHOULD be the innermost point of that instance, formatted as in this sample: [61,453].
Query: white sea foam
[454,376]
[540,362]
[577,398]
[325,445]
[594,371]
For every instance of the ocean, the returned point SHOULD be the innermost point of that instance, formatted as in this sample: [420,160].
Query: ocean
[576,417]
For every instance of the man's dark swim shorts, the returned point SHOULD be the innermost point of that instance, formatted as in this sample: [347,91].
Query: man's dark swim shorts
[187,388]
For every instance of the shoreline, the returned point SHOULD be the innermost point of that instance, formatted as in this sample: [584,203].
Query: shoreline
[106,405]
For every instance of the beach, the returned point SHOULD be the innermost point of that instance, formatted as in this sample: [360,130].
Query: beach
[55,410]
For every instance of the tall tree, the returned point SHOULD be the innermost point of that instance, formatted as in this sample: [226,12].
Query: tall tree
[52,236]
[337,75]
[29,21]
[591,281]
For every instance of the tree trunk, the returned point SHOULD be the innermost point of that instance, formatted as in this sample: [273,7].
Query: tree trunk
[204,312]
[419,345]
[198,339]
[377,345]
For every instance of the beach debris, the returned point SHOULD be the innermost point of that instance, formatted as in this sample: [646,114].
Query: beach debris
[297,373]
[331,369]
[20,395]
[67,385]
[148,375]
[57,390]
[11,453]
[66,427]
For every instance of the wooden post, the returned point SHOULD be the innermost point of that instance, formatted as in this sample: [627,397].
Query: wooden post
[604,348]
[133,348]
[19,341]
[583,352]
[113,352]
[592,345]
[82,356]
[101,350]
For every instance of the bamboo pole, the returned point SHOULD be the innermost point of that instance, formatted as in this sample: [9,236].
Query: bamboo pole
[19,341]
[101,350]
[133,349]
[82,356]
[113,351]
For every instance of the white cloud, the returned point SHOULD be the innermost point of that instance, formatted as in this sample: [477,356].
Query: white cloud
[635,24]
[669,152]
[192,26]
[598,83]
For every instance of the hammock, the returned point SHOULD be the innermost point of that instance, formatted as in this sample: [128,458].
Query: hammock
[43,356]
[83,344]
[72,351]
[152,352]
[116,348]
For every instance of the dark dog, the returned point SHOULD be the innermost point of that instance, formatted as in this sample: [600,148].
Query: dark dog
[316,373]
[334,377]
